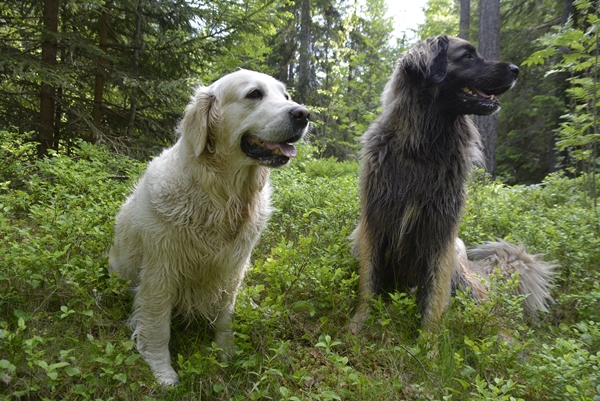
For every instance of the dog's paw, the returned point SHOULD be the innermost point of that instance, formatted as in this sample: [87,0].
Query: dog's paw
[224,340]
[164,374]
[166,377]
[357,321]
[355,327]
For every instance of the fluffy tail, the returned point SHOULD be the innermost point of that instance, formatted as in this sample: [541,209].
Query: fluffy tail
[535,275]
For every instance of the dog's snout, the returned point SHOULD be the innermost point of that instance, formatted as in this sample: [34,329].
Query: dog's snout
[514,69]
[300,114]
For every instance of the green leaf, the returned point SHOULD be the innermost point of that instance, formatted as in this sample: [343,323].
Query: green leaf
[132,358]
[22,315]
[122,377]
[58,365]
[331,395]
[72,371]
[109,348]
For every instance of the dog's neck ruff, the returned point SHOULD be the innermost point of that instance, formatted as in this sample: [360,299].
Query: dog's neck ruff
[223,181]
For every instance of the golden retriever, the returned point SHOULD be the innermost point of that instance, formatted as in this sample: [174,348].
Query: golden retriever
[185,235]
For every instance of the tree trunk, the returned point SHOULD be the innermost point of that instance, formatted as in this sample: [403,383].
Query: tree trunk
[568,11]
[304,60]
[137,46]
[465,19]
[100,71]
[489,47]
[48,91]
[560,87]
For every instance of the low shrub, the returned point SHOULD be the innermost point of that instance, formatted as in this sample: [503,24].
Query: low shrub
[63,332]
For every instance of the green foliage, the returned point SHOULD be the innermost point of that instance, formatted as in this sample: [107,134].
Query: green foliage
[353,57]
[139,76]
[578,133]
[56,296]
[63,332]
[441,17]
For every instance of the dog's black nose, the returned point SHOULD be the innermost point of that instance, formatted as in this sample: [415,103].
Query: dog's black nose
[300,114]
[514,69]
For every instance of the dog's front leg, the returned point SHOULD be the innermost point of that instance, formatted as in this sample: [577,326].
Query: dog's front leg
[436,296]
[224,333]
[222,323]
[363,250]
[151,322]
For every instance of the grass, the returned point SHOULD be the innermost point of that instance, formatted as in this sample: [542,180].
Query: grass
[63,332]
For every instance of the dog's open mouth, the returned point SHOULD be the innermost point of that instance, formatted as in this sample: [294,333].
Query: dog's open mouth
[484,101]
[270,154]
[478,93]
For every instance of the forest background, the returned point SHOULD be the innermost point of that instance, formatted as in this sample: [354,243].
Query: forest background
[91,90]
[119,73]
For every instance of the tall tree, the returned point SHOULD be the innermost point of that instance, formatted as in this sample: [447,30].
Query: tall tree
[100,69]
[489,47]
[137,48]
[304,65]
[465,19]
[48,89]
[108,79]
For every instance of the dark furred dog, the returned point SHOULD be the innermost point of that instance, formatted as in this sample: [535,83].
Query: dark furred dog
[416,158]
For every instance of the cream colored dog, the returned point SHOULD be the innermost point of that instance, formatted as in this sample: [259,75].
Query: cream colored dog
[185,235]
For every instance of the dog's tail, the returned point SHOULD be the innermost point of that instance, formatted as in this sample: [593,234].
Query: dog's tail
[534,278]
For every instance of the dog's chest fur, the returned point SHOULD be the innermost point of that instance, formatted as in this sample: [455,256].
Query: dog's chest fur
[204,229]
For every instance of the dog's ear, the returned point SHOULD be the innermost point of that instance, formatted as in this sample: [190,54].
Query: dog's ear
[198,120]
[438,66]
[427,61]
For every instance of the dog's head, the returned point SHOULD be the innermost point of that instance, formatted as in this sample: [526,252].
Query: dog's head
[245,115]
[452,70]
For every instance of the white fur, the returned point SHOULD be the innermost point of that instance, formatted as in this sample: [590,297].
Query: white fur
[185,235]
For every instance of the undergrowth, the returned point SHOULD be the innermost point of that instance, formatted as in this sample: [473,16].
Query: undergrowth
[63,332]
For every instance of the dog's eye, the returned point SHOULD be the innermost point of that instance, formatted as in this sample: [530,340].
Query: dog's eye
[287,97]
[255,94]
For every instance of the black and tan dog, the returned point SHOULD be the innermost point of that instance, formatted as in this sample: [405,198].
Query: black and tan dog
[416,158]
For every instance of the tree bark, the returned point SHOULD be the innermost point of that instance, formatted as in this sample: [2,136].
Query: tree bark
[304,60]
[489,47]
[568,11]
[48,90]
[465,19]
[137,46]
[100,71]
[560,86]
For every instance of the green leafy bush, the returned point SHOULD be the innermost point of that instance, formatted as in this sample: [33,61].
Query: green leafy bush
[63,332]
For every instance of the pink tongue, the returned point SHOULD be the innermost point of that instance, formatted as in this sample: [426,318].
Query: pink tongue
[480,93]
[286,149]
[485,95]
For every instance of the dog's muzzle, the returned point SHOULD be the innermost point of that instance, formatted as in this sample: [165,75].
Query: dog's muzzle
[276,154]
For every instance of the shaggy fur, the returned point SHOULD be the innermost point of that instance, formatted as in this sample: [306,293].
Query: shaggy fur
[534,275]
[416,158]
[185,235]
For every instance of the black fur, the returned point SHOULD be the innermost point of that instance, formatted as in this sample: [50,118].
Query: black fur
[416,158]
